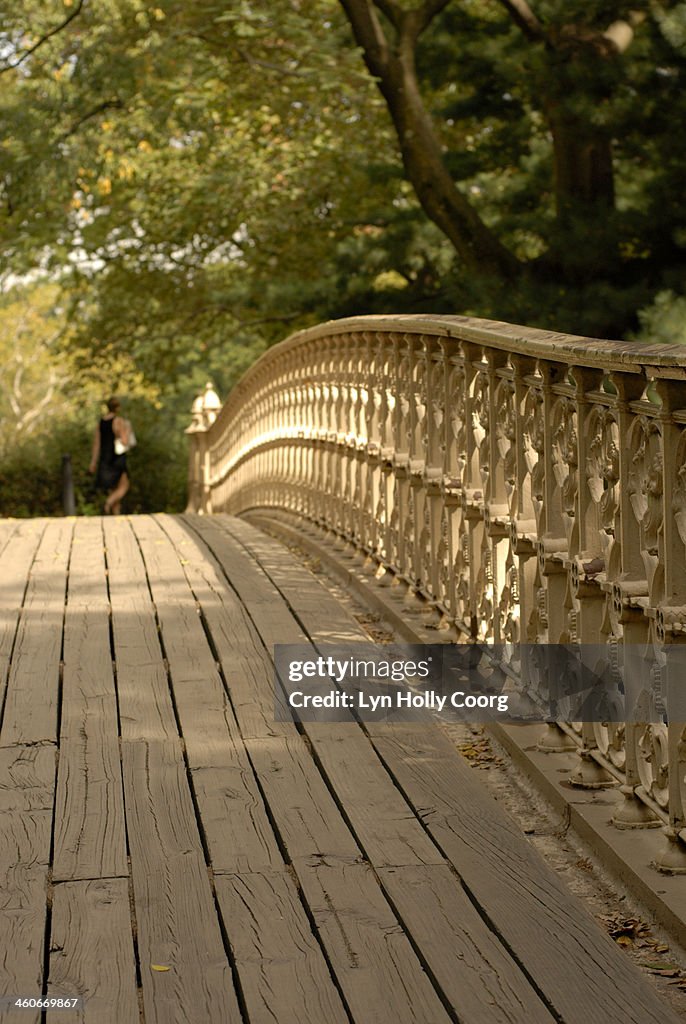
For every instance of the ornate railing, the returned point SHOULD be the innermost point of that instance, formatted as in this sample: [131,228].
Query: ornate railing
[529,487]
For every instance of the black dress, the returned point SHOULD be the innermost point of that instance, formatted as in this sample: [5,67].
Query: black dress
[111,466]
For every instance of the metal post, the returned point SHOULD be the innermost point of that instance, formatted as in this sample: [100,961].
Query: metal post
[68,502]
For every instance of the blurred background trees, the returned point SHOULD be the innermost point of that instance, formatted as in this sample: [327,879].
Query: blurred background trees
[183,184]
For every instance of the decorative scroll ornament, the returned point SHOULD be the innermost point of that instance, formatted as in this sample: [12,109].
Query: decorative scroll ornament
[565,449]
[645,483]
[542,610]
[425,545]
[534,444]
[356,474]
[462,580]
[443,559]
[653,762]
[457,437]
[480,425]
[421,398]
[380,511]
[611,740]
[602,467]
[509,607]
[485,596]
[679,494]
[403,385]
[394,526]
[437,381]
[506,432]
[408,528]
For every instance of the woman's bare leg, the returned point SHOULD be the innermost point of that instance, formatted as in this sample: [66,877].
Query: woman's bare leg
[113,503]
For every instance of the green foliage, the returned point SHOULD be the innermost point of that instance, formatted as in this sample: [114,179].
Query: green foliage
[201,179]
[31,472]
[664,321]
[208,161]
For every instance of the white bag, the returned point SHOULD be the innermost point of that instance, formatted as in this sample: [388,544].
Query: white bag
[119,447]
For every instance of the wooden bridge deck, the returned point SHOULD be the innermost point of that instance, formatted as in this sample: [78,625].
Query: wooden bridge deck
[170,853]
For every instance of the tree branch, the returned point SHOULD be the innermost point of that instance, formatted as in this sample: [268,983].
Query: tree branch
[427,12]
[524,17]
[368,32]
[43,39]
[420,145]
[411,23]
[115,104]
[268,66]
[390,10]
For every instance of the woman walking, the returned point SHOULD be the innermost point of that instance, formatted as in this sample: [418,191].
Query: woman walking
[112,471]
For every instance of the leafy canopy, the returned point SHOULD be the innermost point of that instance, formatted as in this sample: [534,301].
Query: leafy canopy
[202,178]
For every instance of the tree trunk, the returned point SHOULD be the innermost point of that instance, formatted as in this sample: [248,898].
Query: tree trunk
[394,68]
[423,160]
[582,152]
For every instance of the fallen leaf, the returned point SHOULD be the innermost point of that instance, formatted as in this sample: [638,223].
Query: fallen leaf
[629,927]
[659,965]
[159,967]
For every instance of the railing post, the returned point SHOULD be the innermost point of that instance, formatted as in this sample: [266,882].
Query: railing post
[585,553]
[496,508]
[630,811]
[671,618]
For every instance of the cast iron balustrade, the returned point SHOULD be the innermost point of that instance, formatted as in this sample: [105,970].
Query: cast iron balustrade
[529,487]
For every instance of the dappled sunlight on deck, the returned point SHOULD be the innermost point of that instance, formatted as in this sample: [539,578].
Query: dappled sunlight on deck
[172,842]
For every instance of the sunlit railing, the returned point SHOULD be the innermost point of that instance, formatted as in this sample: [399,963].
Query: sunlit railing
[529,486]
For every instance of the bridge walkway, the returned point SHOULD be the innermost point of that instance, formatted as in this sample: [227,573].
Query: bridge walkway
[171,853]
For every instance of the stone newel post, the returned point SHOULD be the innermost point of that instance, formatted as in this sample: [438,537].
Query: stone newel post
[204,412]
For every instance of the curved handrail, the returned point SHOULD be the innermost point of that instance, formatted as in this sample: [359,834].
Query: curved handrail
[526,486]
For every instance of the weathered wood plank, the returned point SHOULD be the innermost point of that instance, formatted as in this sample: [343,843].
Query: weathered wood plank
[27,778]
[344,929]
[574,964]
[283,974]
[473,970]
[238,832]
[471,967]
[33,685]
[7,528]
[91,952]
[380,977]
[27,781]
[15,563]
[381,819]
[308,819]
[275,618]
[146,711]
[246,665]
[90,840]
[282,970]
[576,967]
[177,922]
